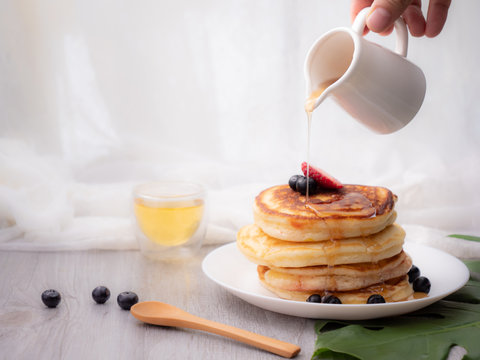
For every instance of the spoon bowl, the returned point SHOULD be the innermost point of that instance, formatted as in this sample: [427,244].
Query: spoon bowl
[158,313]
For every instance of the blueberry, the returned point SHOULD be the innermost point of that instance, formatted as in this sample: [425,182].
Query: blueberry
[376,299]
[330,299]
[51,298]
[293,182]
[100,294]
[413,273]
[127,299]
[422,284]
[302,185]
[315,298]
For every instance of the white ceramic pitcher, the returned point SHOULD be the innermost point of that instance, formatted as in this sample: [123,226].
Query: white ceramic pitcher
[378,87]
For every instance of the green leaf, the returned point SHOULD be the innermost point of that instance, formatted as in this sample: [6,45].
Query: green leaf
[325,354]
[465,237]
[425,334]
[468,294]
[474,267]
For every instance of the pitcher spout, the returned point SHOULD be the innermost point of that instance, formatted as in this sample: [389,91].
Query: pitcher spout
[329,59]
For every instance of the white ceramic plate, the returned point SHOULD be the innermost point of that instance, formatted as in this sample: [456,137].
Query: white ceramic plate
[230,269]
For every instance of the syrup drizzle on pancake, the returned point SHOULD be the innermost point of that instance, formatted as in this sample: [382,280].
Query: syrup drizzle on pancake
[331,257]
[353,202]
[419,295]
[357,201]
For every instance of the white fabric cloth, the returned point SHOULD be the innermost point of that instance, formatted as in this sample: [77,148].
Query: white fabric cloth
[96,97]
[44,208]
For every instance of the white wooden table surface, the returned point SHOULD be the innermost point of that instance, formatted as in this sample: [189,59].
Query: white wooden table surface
[81,329]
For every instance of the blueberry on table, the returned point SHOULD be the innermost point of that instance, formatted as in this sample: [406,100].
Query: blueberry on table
[302,185]
[293,182]
[127,299]
[413,273]
[376,299]
[330,299]
[315,298]
[421,284]
[51,298]
[101,294]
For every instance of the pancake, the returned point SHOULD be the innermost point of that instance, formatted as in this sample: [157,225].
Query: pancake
[354,210]
[263,249]
[336,278]
[397,289]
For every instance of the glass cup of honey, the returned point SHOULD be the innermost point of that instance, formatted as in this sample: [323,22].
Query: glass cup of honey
[170,219]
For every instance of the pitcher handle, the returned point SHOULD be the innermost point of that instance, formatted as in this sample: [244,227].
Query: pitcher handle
[400,28]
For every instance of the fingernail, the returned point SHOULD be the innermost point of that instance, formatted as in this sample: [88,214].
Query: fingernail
[379,19]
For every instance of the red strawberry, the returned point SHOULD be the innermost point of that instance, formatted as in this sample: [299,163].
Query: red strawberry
[322,178]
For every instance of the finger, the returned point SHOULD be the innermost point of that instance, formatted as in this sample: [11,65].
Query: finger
[388,31]
[436,16]
[413,16]
[384,13]
[355,7]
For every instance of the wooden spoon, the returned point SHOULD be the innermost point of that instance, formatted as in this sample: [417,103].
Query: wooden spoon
[158,313]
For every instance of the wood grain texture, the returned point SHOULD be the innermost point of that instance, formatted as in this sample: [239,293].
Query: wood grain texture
[81,329]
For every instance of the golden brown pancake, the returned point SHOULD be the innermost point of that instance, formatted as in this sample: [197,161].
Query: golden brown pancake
[354,210]
[336,278]
[263,249]
[343,243]
[397,289]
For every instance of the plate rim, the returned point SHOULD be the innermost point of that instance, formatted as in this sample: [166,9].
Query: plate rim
[415,304]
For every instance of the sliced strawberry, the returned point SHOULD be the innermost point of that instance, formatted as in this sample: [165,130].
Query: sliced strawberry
[322,178]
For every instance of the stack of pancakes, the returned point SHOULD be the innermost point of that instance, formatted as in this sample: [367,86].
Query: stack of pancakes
[342,242]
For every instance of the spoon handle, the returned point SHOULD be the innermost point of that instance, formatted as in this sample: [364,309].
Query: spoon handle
[263,342]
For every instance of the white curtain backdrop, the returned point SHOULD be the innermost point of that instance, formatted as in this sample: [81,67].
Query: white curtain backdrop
[98,95]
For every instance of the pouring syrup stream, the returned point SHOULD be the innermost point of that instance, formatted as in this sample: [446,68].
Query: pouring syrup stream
[309,107]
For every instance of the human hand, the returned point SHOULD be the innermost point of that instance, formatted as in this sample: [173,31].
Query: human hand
[385,12]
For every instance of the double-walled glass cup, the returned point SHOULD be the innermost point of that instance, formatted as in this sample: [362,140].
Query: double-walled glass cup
[170,219]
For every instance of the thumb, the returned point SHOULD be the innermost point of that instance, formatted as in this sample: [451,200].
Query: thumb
[384,13]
